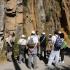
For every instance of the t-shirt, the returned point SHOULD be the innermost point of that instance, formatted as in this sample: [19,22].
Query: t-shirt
[54,38]
[35,39]
[64,45]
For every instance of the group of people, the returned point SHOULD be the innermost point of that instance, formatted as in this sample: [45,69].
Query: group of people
[10,41]
[32,43]
[58,45]
[36,45]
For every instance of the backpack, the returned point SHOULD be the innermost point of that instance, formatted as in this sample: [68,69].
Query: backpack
[43,40]
[58,44]
[64,45]
[31,43]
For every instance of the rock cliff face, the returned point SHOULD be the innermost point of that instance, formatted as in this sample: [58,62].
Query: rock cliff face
[53,13]
[2,13]
[65,19]
[23,16]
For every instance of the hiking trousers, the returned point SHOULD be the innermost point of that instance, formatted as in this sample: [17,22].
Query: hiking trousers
[9,52]
[62,54]
[43,52]
[38,50]
[22,53]
[54,56]
[32,59]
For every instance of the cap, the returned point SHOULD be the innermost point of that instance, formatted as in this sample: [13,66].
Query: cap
[23,36]
[33,32]
[43,33]
[59,32]
[50,34]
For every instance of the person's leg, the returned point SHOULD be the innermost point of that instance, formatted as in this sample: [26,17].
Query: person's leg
[9,53]
[23,58]
[9,56]
[62,54]
[35,60]
[51,57]
[20,58]
[13,49]
[44,52]
[41,52]
[57,57]
[20,53]
[30,61]
[38,50]
[23,53]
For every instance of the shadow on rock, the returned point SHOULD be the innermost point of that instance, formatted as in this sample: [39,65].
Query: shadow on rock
[17,67]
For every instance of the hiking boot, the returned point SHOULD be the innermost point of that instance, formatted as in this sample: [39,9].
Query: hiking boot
[61,62]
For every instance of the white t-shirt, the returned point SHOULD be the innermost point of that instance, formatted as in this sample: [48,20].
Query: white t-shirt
[35,39]
[54,38]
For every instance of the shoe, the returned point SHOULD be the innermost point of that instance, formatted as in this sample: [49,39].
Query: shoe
[62,61]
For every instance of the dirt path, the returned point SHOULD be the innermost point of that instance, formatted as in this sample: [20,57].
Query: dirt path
[41,65]
[7,66]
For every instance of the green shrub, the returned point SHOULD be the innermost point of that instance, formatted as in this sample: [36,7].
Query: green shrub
[16,49]
[25,2]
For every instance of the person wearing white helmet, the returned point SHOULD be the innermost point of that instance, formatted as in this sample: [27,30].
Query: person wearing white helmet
[9,47]
[49,44]
[32,50]
[22,45]
[55,52]
[38,46]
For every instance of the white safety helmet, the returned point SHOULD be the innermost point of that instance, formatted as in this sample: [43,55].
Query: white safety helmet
[43,33]
[50,34]
[33,32]
[59,32]
[23,36]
